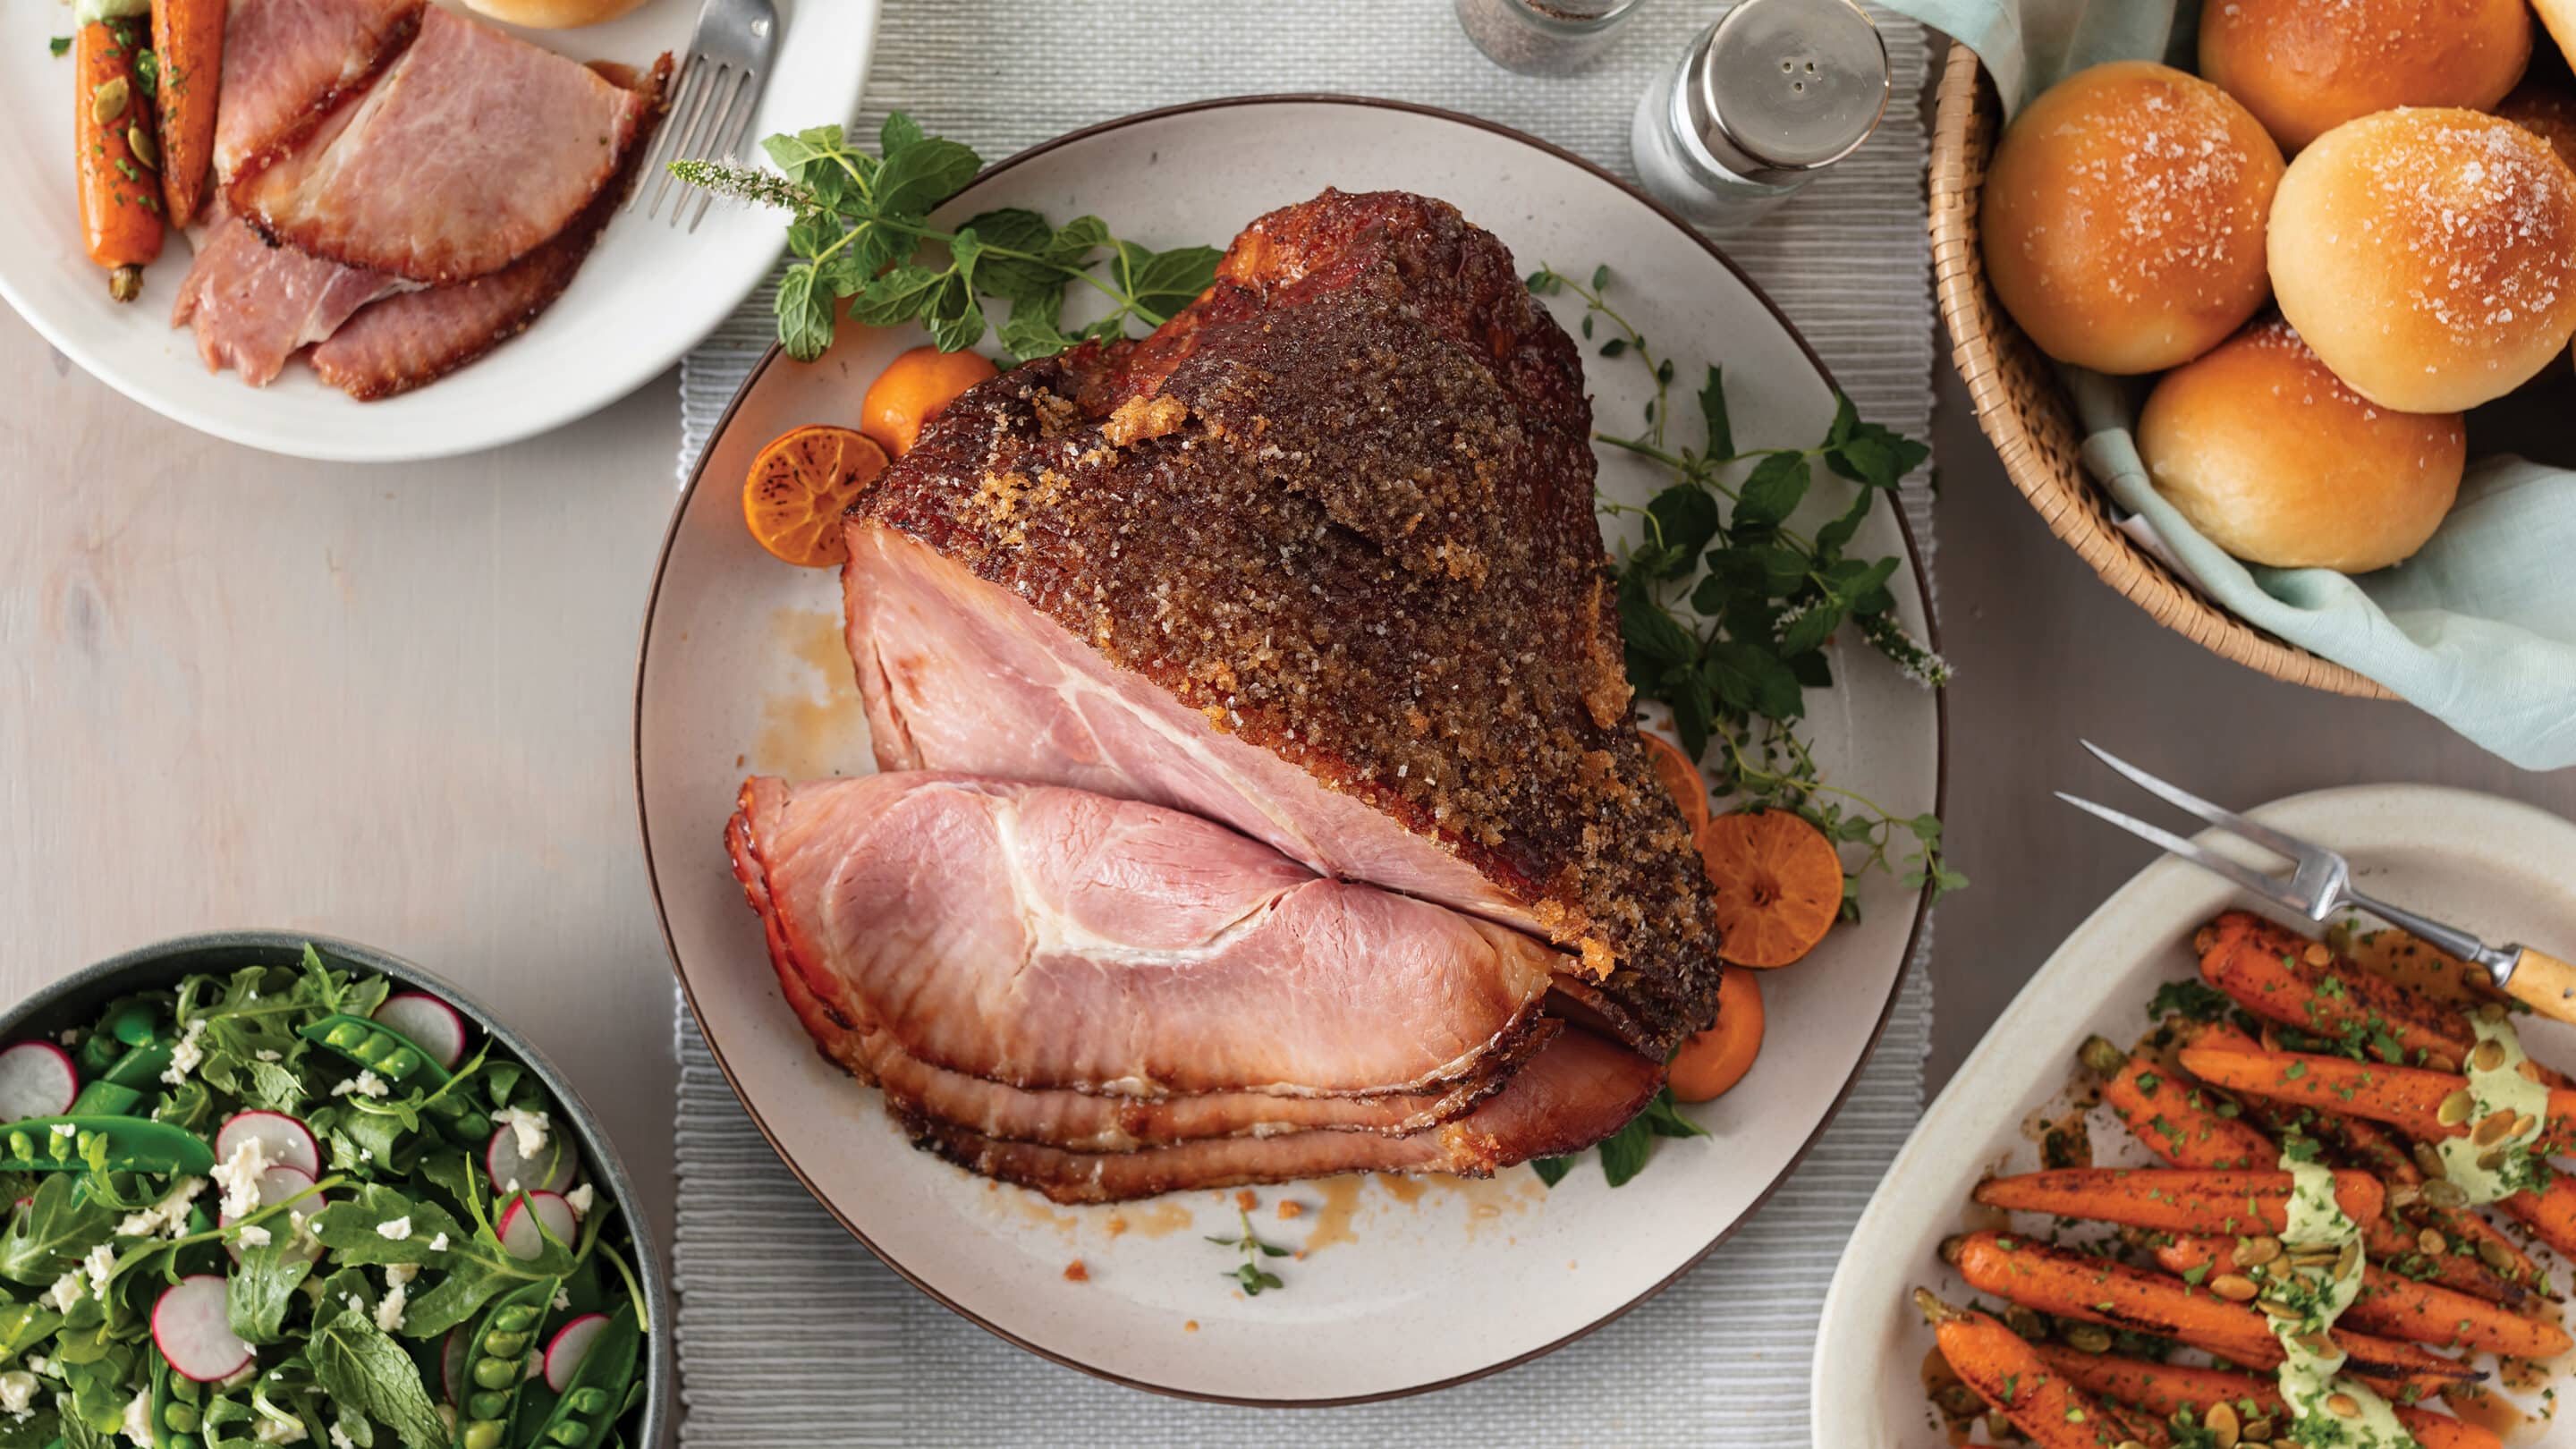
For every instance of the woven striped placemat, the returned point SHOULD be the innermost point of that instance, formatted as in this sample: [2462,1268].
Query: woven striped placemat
[790,1333]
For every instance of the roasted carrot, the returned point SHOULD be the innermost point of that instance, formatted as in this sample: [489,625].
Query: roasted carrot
[188,43]
[2096,1290]
[2401,960]
[2550,1213]
[2009,1375]
[2174,1200]
[2163,1388]
[2285,977]
[2183,1126]
[2407,1098]
[2388,1304]
[120,198]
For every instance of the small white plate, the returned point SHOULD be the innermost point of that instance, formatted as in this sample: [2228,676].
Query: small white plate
[743,671]
[646,294]
[2494,867]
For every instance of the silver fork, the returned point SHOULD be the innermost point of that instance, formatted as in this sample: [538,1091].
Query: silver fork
[2320,884]
[712,99]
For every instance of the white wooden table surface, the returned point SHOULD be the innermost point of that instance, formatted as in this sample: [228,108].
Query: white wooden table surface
[392,704]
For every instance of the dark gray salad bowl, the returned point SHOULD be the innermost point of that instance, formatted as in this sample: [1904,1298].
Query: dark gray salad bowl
[77,999]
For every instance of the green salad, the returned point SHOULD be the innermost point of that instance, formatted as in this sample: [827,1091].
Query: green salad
[300,1204]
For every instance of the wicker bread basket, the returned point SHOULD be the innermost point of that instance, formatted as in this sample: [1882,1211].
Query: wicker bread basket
[2026,415]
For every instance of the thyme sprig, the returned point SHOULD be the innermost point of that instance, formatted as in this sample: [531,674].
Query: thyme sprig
[1251,1276]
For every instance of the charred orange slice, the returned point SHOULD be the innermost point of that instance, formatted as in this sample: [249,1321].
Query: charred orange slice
[1778,884]
[799,487]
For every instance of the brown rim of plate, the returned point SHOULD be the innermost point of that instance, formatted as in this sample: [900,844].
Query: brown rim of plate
[1878,1029]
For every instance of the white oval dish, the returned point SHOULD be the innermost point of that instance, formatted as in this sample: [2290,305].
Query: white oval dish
[646,294]
[740,672]
[2495,867]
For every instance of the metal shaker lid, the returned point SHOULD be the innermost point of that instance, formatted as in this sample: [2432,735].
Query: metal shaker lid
[1778,88]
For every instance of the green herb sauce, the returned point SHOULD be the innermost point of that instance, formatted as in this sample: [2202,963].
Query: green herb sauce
[2501,1089]
[2308,1379]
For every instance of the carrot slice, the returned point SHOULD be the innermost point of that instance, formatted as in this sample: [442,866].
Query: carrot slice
[799,487]
[2407,1098]
[1681,778]
[2389,1305]
[1777,882]
[2176,1121]
[2174,1200]
[1711,1063]
[2010,1376]
[188,36]
[2163,1388]
[120,198]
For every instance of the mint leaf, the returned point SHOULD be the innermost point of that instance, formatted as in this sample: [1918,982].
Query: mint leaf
[360,1368]
[1551,1170]
[1015,281]
[1162,283]
[913,180]
[804,314]
[1686,517]
[1712,411]
[898,133]
[262,1287]
[352,1229]
[1625,1153]
[1773,491]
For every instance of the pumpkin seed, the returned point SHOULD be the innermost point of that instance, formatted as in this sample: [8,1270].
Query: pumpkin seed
[2319,1344]
[2317,954]
[2129,1444]
[2255,1252]
[2497,1256]
[2099,1054]
[138,139]
[2493,1011]
[2530,1070]
[2348,1262]
[2234,1287]
[108,101]
[2405,1194]
[2430,1242]
[2446,1194]
[2258,1431]
[2089,1337]
[2026,1322]
[2343,1406]
[2431,1161]
[2456,1108]
[2275,1308]
[2440,1062]
[2223,1426]
[2525,1125]
[2486,1056]
[2494,1129]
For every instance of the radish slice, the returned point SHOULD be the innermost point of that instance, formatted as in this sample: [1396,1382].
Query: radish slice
[552,1170]
[518,1227]
[276,1185]
[37,1079]
[190,1329]
[431,1024]
[565,1351]
[289,1144]
[451,1363]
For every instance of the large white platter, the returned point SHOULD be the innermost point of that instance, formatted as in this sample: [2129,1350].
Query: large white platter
[647,293]
[2495,867]
[742,671]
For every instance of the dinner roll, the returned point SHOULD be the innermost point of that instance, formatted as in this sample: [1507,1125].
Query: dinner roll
[2273,459]
[2307,66]
[2429,256]
[2560,17]
[2122,217]
[553,14]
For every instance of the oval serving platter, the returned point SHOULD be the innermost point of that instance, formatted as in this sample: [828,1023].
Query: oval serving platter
[741,671]
[2494,867]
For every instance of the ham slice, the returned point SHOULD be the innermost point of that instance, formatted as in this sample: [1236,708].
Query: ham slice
[254,304]
[1053,939]
[470,151]
[1578,1090]
[287,62]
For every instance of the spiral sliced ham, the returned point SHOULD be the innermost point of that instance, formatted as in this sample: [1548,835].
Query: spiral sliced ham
[254,305]
[288,62]
[471,150]
[1048,938]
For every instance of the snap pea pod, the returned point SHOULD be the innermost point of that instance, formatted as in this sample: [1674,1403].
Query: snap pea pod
[597,1393]
[105,1098]
[174,1420]
[497,1364]
[397,1058]
[127,1144]
[141,1067]
[129,1024]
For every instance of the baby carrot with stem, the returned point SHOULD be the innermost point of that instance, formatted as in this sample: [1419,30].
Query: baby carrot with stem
[2183,1126]
[112,131]
[2009,1375]
[2163,1388]
[2174,1200]
[188,45]
[2388,1305]
[2407,1098]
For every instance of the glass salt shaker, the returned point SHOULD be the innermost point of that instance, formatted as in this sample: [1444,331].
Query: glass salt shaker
[1772,94]
[1543,37]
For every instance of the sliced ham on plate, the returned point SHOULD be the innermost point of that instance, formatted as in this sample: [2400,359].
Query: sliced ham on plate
[469,152]
[254,305]
[286,62]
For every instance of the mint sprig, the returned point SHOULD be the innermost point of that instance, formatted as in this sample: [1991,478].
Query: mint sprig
[860,231]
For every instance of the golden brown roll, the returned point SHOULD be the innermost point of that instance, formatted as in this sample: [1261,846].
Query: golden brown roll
[2307,66]
[2560,17]
[2429,256]
[553,14]
[2273,459]
[2122,217]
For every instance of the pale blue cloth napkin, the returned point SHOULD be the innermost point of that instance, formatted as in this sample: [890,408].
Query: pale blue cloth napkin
[2479,629]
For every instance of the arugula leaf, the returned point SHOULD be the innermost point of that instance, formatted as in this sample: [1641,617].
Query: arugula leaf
[60,1224]
[263,1286]
[361,1368]
[349,1228]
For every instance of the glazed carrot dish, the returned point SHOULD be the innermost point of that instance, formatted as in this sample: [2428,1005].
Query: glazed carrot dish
[2318,1204]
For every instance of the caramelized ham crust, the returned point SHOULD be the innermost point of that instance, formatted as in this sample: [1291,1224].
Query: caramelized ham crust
[1318,560]
[470,151]
[287,62]
[1052,939]
[1578,1090]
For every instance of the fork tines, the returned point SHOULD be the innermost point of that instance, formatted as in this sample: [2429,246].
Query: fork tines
[711,103]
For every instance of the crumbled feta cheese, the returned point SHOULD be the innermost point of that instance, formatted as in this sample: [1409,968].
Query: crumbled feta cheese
[17,1391]
[168,1215]
[397,1274]
[239,1174]
[101,1265]
[252,1236]
[389,1310]
[267,1055]
[66,1291]
[563,1300]
[528,1126]
[40,1364]
[72,1036]
[580,1199]
[438,1244]
[185,1056]
[394,1229]
[138,1419]
[354,1301]
[65,1129]
[280,1431]
[340,1438]
[364,1084]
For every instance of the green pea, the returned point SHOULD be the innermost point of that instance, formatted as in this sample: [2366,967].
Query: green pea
[87,1140]
[587,1401]
[179,1418]
[345,1035]
[496,1373]
[399,1063]
[571,1433]
[375,1048]
[184,1441]
[516,1318]
[487,1405]
[132,1024]
[483,1434]
[504,1343]
[60,1144]
[21,1146]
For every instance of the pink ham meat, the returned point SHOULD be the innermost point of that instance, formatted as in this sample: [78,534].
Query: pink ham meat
[1048,938]
[1578,1090]
[287,62]
[469,152]
[254,305]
